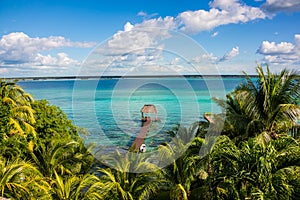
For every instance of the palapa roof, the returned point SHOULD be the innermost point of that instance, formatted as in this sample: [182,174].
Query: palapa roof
[149,108]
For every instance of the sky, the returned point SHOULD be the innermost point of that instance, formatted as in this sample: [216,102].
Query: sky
[128,37]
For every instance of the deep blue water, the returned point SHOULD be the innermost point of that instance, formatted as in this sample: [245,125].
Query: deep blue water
[110,108]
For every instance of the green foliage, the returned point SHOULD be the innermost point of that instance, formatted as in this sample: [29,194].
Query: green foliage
[59,155]
[59,146]
[21,118]
[87,187]
[14,147]
[21,180]
[182,161]
[4,120]
[255,170]
[130,177]
[38,132]
[52,122]
[271,105]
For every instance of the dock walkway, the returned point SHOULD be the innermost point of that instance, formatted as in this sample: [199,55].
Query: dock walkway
[209,118]
[139,140]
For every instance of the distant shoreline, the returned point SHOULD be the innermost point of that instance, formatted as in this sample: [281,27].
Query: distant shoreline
[122,77]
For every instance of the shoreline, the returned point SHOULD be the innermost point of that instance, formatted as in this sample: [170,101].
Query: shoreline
[123,77]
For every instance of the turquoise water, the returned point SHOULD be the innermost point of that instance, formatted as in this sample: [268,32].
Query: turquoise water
[110,108]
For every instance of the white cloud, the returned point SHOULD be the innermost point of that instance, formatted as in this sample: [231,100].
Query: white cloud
[61,60]
[222,12]
[175,61]
[167,22]
[231,54]
[142,14]
[138,44]
[134,46]
[273,48]
[284,53]
[128,26]
[136,40]
[215,34]
[131,45]
[205,58]
[41,60]
[146,15]
[64,60]
[211,58]
[19,49]
[274,6]
[4,70]
[297,40]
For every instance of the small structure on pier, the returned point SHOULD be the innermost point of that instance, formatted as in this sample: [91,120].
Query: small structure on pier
[148,109]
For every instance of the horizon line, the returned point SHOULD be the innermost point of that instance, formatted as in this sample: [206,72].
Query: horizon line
[131,76]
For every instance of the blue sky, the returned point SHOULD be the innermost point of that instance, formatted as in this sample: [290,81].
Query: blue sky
[75,37]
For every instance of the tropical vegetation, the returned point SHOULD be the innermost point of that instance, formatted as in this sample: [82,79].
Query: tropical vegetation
[257,155]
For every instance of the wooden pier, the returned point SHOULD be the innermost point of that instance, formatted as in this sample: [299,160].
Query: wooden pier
[208,118]
[139,140]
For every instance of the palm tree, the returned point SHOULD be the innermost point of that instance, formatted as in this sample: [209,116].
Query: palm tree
[21,180]
[271,104]
[11,93]
[83,187]
[59,145]
[65,156]
[255,170]
[21,113]
[14,147]
[130,177]
[181,161]
[4,120]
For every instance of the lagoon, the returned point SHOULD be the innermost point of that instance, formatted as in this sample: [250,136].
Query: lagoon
[110,108]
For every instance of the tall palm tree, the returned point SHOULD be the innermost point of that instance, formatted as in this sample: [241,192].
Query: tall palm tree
[130,177]
[255,170]
[270,104]
[21,113]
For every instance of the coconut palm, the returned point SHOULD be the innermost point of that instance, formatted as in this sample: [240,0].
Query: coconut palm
[270,104]
[180,172]
[130,177]
[21,113]
[255,170]
[238,120]
[83,187]
[11,93]
[21,180]
[64,156]
[181,160]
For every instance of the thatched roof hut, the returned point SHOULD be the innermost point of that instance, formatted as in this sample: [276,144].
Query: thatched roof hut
[149,109]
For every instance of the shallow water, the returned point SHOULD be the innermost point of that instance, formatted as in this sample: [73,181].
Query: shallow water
[110,108]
